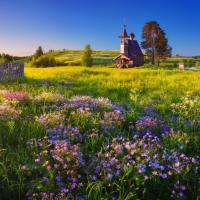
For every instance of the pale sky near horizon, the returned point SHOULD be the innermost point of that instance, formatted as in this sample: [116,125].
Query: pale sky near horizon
[71,24]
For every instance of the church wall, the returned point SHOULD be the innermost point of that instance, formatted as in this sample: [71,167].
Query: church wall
[138,60]
[124,49]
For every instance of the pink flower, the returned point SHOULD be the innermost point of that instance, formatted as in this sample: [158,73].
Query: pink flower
[55,165]
[37,160]
[154,173]
[183,187]
[155,156]
[169,173]
[48,167]
[65,190]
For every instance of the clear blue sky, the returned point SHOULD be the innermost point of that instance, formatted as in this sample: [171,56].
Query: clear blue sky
[71,24]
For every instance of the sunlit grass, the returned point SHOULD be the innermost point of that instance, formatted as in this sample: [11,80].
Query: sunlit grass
[117,83]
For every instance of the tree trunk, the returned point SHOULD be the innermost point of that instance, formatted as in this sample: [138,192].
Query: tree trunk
[152,57]
[158,62]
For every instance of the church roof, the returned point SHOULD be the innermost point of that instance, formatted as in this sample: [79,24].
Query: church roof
[124,34]
[121,55]
[134,48]
[131,35]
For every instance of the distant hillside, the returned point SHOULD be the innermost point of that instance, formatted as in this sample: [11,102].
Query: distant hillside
[73,57]
[105,57]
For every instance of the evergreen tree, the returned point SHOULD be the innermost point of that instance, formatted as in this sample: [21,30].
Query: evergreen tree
[38,52]
[87,59]
[162,49]
[154,42]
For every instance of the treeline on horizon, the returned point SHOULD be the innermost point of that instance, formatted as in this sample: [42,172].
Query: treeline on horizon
[7,58]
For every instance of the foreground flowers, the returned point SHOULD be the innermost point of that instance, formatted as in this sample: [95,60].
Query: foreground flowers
[56,169]
[88,152]
[8,113]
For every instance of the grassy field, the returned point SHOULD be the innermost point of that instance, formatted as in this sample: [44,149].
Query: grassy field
[100,133]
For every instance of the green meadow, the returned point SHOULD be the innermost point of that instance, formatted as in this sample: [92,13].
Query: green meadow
[105,58]
[78,133]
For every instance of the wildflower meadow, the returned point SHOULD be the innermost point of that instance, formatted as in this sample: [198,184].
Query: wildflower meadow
[76,133]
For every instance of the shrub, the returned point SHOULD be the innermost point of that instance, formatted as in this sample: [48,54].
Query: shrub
[43,61]
[197,64]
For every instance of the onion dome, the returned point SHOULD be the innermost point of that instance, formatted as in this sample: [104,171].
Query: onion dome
[131,35]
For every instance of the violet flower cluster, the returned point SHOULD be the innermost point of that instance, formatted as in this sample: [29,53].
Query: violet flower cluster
[56,168]
[86,143]
[151,125]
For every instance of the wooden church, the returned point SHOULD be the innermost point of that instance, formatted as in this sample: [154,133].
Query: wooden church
[130,52]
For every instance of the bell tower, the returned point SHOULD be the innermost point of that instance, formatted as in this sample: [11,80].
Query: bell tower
[124,41]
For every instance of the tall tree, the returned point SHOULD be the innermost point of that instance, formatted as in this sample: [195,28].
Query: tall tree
[38,52]
[87,59]
[162,49]
[154,42]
